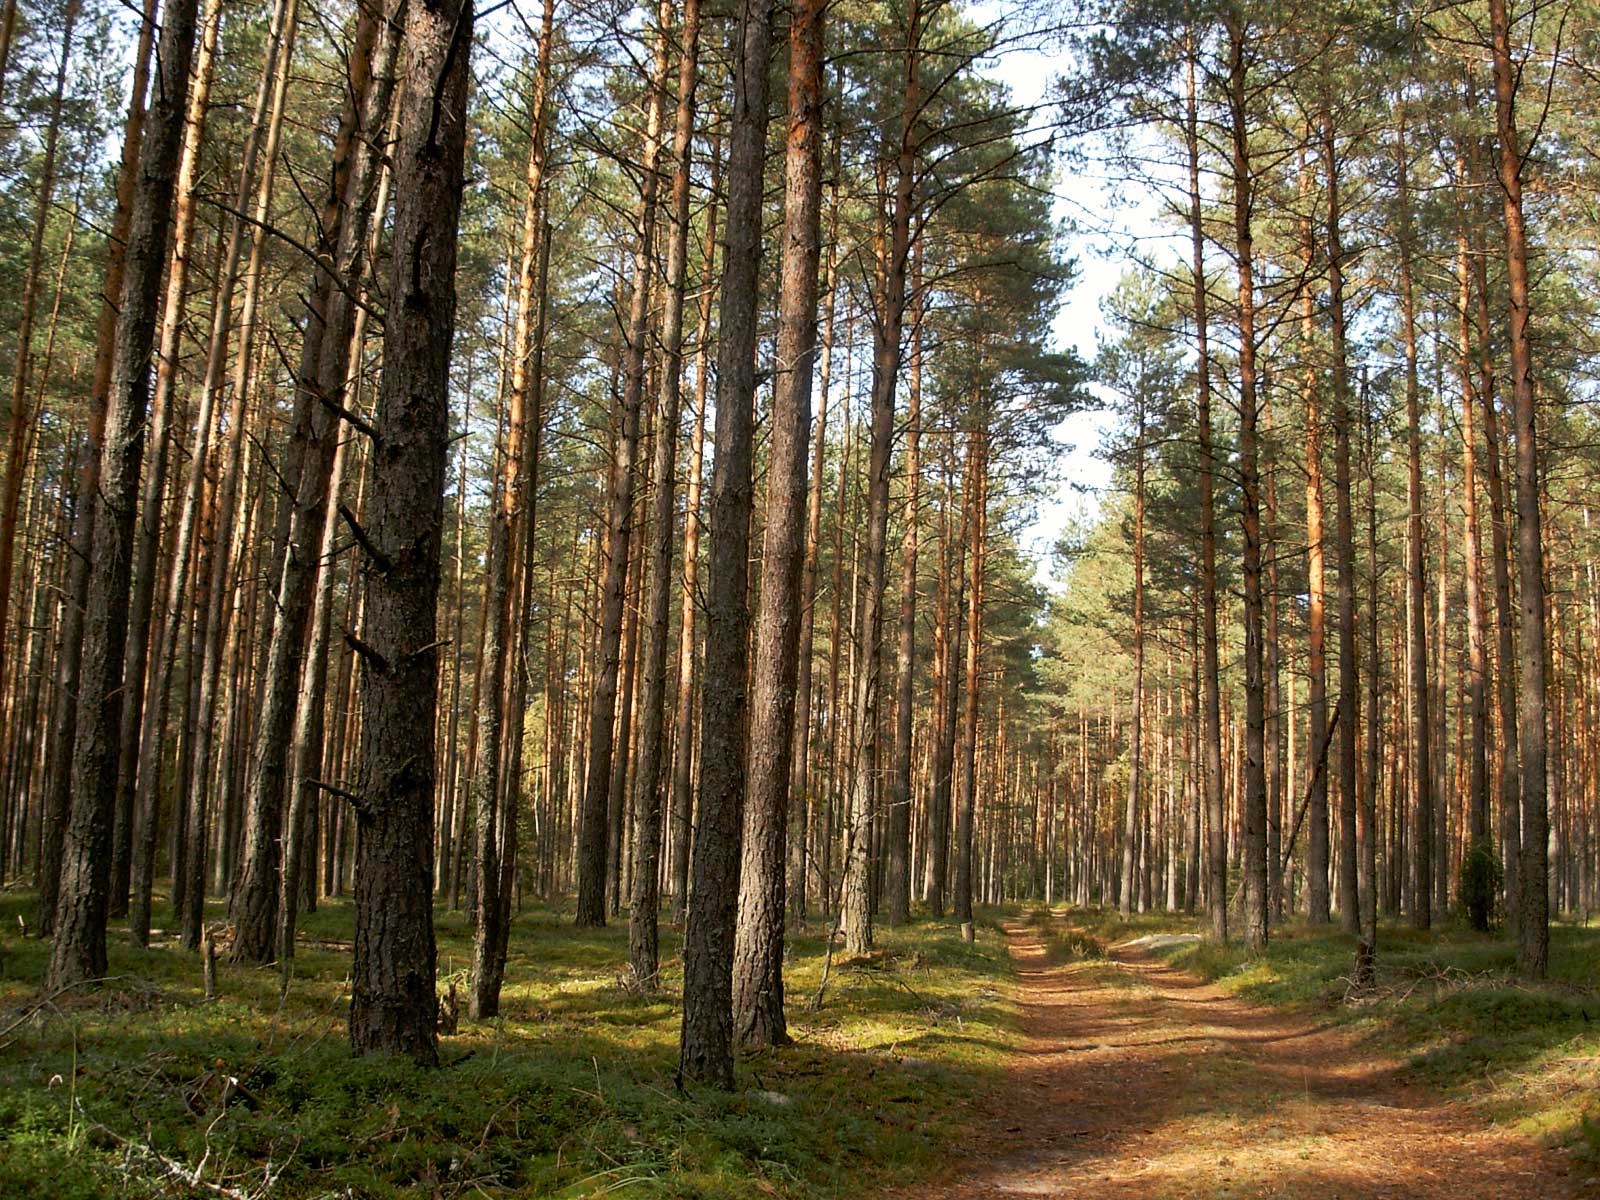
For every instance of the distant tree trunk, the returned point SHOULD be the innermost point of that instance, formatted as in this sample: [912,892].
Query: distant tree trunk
[758,946]
[683,734]
[1370,831]
[1316,585]
[976,534]
[392,1002]
[594,835]
[1471,541]
[802,787]
[1136,714]
[947,655]
[1211,702]
[856,902]
[22,410]
[1533,923]
[643,939]
[216,615]
[133,822]
[897,835]
[1255,791]
[1344,548]
[706,1051]
[493,820]
[79,952]
[307,740]
[1420,774]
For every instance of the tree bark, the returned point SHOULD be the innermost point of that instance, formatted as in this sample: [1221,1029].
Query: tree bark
[706,1051]
[392,1003]
[592,855]
[758,944]
[1533,917]
[79,952]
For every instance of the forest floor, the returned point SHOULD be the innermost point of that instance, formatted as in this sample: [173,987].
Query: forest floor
[143,1088]
[1050,1058]
[1143,1079]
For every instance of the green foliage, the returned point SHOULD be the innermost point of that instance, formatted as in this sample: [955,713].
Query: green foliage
[1481,878]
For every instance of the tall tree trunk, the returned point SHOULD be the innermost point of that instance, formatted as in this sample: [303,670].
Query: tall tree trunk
[758,945]
[706,1051]
[886,354]
[1136,714]
[1255,790]
[1533,918]
[976,535]
[1420,774]
[1344,549]
[683,734]
[79,952]
[1211,701]
[490,787]
[265,126]
[1316,556]
[643,940]
[897,851]
[64,704]
[392,1002]
[1471,540]
[22,409]
[593,840]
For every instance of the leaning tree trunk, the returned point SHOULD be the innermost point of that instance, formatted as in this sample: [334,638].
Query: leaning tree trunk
[758,943]
[706,1050]
[392,1000]
[79,952]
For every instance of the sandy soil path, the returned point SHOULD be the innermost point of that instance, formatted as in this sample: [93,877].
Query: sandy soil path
[1139,1080]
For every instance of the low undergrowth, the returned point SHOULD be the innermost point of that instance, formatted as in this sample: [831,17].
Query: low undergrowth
[144,1088]
[1448,999]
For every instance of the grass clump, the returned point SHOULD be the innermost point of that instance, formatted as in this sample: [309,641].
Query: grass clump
[132,1090]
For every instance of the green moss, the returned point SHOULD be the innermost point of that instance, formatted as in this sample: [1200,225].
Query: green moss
[569,1093]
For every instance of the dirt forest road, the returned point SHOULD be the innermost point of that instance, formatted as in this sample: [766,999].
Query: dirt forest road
[1139,1080]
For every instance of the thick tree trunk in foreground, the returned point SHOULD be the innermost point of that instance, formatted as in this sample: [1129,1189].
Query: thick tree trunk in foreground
[392,1003]
[706,1052]
[758,946]
[79,952]
[1533,917]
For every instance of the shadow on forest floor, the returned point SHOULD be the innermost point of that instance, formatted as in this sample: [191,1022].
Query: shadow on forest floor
[130,1089]
[1151,1074]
